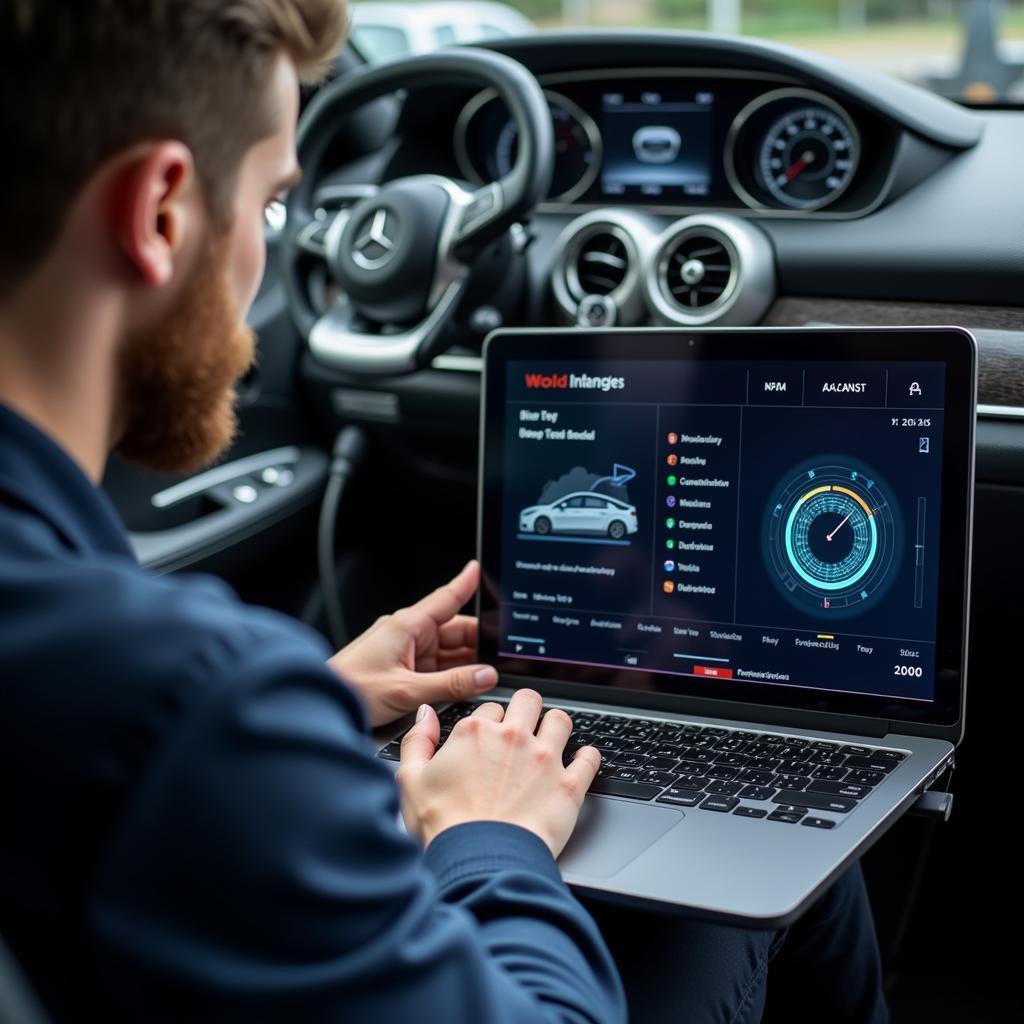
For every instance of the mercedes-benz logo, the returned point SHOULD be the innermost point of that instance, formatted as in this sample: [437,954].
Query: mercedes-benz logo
[375,247]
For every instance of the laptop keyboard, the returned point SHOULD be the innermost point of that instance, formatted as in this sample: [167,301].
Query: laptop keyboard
[762,775]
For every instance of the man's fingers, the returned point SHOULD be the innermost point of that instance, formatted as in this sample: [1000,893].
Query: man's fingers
[555,728]
[582,769]
[420,742]
[445,602]
[454,683]
[492,710]
[524,709]
[459,632]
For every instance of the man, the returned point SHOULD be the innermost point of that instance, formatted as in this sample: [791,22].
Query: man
[194,825]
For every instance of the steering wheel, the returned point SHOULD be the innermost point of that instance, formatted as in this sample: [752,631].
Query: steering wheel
[400,254]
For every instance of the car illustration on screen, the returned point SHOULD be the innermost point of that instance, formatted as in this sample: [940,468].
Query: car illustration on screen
[582,512]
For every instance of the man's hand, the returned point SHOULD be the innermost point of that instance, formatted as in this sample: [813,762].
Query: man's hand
[494,768]
[418,655]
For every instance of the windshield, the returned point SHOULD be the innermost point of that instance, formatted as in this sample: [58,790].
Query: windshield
[969,50]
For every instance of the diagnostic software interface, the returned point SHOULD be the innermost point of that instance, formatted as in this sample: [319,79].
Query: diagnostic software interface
[773,523]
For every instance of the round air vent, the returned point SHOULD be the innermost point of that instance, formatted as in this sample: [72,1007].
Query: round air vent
[600,254]
[711,269]
[699,271]
[600,267]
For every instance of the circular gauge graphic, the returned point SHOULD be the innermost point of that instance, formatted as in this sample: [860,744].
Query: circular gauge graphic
[807,157]
[791,149]
[487,140]
[832,538]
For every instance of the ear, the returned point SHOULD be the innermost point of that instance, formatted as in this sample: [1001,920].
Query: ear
[155,208]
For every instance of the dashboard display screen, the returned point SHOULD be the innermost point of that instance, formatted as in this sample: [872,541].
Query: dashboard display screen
[765,523]
[656,144]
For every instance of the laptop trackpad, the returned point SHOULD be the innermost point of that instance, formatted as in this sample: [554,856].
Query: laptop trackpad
[611,833]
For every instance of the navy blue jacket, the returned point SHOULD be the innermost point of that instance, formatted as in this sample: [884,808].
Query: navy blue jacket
[192,823]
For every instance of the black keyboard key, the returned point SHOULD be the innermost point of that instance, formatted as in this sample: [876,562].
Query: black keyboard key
[391,751]
[732,744]
[637,748]
[817,801]
[619,787]
[606,743]
[851,749]
[789,817]
[628,760]
[757,792]
[824,745]
[890,755]
[731,760]
[681,797]
[693,754]
[719,803]
[750,812]
[796,755]
[861,777]
[794,741]
[853,791]
[764,749]
[872,763]
[826,757]
[723,788]
[818,822]
[795,768]
[655,778]
[669,750]
[786,781]
[713,730]
[765,764]
[828,772]
[756,777]
[691,781]
[660,763]
[627,774]
[692,767]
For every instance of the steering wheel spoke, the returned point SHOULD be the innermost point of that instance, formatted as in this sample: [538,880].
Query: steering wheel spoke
[338,335]
[483,213]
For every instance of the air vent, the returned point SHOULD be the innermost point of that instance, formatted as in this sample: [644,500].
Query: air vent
[698,271]
[601,265]
[601,253]
[710,268]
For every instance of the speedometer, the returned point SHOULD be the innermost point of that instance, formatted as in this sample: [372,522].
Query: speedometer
[807,157]
[792,149]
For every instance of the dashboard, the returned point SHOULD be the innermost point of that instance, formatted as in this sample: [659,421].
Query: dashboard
[703,180]
[699,138]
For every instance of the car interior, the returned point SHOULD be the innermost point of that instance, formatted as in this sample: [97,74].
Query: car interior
[535,183]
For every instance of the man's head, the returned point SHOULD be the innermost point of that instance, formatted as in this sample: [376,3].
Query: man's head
[143,140]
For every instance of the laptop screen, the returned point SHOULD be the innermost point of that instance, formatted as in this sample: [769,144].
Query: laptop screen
[684,514]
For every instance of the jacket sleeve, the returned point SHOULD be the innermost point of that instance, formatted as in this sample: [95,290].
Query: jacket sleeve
[259,872]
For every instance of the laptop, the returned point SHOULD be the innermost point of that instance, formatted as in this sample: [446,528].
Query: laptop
[740,560]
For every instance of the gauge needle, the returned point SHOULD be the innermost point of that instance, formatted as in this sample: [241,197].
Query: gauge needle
[829,536]
[806,159]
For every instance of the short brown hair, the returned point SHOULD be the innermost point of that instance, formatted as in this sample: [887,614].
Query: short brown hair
[81,80]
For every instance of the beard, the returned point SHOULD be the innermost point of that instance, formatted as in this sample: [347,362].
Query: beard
[178,379]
